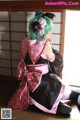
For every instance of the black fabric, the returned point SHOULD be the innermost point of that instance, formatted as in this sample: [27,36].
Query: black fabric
[74,96]
[57,65]
[48,91]
[27,60]
[64,109]
[54,67]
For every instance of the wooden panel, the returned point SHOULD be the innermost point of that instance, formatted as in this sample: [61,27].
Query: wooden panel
[24,5]
[18,37]
[4,16]
[17,29]
[15,46]
[4,54]
[5,71]
[17,16]
[17,26]
[15,55]
[4,26]
[57,28]
[30,15]
[14,64]
[56,39]
[14,72]
[5,45]
[4,63]
[4,35]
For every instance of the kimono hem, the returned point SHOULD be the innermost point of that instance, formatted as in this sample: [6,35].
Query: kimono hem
[37,86]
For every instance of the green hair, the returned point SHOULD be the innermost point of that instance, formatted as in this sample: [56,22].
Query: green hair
[48,27]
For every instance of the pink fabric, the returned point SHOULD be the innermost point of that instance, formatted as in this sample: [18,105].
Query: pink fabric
[42,67]
[20,99]
[33,47]
[31,79]
[32,73]
[35,50]
[24,47]
[54,108]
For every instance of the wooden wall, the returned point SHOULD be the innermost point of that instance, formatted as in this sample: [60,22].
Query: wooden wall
[14,20]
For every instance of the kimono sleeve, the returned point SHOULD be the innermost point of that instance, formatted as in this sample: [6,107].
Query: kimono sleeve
[21,65]
[57,65]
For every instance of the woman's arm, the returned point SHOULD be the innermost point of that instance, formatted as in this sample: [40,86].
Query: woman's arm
[48,52]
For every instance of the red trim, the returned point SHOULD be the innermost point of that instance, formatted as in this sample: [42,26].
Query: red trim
[23,56]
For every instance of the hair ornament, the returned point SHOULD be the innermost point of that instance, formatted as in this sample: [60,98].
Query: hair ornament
[43,23]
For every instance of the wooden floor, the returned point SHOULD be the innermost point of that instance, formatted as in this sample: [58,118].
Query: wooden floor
[7,88]
[35,115]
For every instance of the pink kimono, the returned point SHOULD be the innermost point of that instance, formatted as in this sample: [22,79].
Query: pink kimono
[37,86]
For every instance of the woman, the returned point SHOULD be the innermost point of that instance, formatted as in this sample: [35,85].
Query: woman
[40,70]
